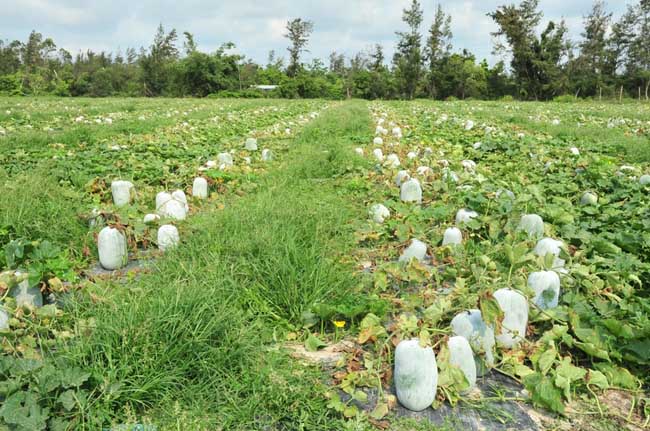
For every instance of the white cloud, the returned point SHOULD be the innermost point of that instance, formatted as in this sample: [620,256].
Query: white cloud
[44,9]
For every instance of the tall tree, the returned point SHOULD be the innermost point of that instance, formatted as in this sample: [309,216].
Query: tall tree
[190,44]
[408,56]
[594,62]
[535,61]
[337,63]
[298,32]
[10,61]
[377,58]
[156,63]
[438,47]
[36,51]
[639,50]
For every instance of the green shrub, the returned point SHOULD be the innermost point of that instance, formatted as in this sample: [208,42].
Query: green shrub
[239,94]
[10,85]
[565,98]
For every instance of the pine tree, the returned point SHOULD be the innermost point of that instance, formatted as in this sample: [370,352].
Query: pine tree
[408,57]
[377,58]
[593,63]
[536,62]
[438,47]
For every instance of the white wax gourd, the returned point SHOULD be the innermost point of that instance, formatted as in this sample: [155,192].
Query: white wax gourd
[267,155]
[250,144]
[589,198]
[123,192]
[359,151]
[465,216]
[150,218]
[200,188]
[470,325]
[111,244]
[469,125]
[546,285]
[179,195]
[644,180]
[378,141]
[26,295]
[411,191]
[411,155]
[173,209]
[549,245]
[392,161]
[401,177]
[532,224]
[225,160]
[378,155]
[416,375]
[515,317]
[397,132]
[379,213]
[424,171]
[469,165]
[162,198]
[95,217]
[428,152]
[417,249]
[452,236]
[4,320]
[449,175]
[460,355]
[167,237]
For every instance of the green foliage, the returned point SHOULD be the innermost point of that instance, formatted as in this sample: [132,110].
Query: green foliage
[565,98]
[10,85]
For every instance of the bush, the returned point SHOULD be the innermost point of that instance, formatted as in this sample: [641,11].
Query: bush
[507,98]
[62,89]
[10,85]
[565,98]
[239,94]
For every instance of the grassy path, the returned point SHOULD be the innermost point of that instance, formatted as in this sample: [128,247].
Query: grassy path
[191,344]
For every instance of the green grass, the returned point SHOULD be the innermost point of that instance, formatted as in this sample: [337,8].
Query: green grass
[195,338]
[34,206]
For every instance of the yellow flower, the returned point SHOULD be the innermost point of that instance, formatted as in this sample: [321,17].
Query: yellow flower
[339,323]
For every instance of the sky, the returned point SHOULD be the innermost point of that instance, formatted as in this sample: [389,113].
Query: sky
[256,27]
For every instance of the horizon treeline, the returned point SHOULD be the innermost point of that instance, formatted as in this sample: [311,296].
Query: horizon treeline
[611,60]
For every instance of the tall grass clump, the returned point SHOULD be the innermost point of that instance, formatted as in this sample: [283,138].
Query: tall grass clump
[35,208]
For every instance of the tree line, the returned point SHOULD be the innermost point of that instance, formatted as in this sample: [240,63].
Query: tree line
[611,60]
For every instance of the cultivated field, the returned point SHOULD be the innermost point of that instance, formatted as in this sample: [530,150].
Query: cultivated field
[278,301]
